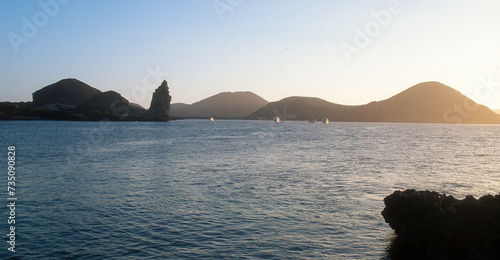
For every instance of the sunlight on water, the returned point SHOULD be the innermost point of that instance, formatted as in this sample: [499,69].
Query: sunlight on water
[232,189]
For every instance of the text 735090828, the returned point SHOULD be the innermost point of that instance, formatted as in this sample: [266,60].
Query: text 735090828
[11,198]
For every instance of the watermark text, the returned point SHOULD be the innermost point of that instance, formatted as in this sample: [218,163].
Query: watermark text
[11,198]
[48,9]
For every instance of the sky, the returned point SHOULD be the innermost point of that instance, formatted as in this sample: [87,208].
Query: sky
[347,52]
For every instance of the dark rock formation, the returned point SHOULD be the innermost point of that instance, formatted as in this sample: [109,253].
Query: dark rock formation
[160,103]
[106,101]
[13,111]
[432,225]
[73,100]
[67,92]
[113,102]
[16,111]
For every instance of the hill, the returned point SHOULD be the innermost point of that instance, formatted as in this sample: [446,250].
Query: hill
[301,108]
[224,105]
[496,111]
[178,106]
[73,100]
[428,102]
[70,92]
[114,102]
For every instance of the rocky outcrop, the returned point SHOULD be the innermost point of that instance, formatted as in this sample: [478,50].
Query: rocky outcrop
[433,225]
[160,103]
[73,100]
[70,92]
[113,102]
[106,101]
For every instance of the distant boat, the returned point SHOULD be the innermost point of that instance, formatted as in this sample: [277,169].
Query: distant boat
[211,119]
[312,120]
[325,120]
[277,119]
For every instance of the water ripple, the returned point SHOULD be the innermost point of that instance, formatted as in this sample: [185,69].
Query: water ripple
[232,190]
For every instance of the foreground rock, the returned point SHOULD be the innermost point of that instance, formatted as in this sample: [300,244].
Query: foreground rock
[433,225]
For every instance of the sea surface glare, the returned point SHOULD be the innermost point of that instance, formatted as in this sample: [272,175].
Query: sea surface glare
[229,189]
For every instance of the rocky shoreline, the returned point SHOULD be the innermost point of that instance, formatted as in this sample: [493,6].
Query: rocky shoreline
[430,225]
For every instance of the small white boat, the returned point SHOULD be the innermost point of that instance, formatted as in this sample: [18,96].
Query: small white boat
[312,120]
[211,119]
[325,120]
[277,119]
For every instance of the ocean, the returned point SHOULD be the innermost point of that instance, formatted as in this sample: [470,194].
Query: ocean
[228,189]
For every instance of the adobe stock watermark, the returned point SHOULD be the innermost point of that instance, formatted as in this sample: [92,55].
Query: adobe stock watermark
[283,115]
[151,81]
[224,6]
[137,94]
[30,28]
[372,29]
[107,130]
[483,91]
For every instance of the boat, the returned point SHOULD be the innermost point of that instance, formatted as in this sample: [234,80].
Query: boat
[325,120]
[277,119]
[312,120]
[211,119]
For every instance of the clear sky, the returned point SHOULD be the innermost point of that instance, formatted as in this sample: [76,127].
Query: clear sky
[348,52]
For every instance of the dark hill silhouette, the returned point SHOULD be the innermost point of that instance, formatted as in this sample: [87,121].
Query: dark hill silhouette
[113,102]
[178,106]
[428,102]
[223,105]
[301,108]
[73,100]
[67,92]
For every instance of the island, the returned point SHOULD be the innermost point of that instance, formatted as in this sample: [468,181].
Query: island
[427,102]
[73,100]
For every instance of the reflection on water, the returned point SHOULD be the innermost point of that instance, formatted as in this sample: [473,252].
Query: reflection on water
[232,189]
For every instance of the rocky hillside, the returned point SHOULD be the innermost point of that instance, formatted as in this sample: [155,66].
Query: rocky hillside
[71,99]
[428,102]
[67,91]
[114,102]
[223,105]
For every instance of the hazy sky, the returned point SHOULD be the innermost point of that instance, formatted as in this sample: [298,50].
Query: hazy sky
[347,52]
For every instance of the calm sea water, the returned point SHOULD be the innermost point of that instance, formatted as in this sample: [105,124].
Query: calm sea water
[229,189]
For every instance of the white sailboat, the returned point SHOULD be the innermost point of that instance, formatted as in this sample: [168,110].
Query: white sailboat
[277,119]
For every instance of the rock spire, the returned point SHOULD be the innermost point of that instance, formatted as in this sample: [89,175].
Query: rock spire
[160,103]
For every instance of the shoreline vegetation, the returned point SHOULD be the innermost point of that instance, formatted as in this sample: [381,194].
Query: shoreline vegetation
[73,100]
